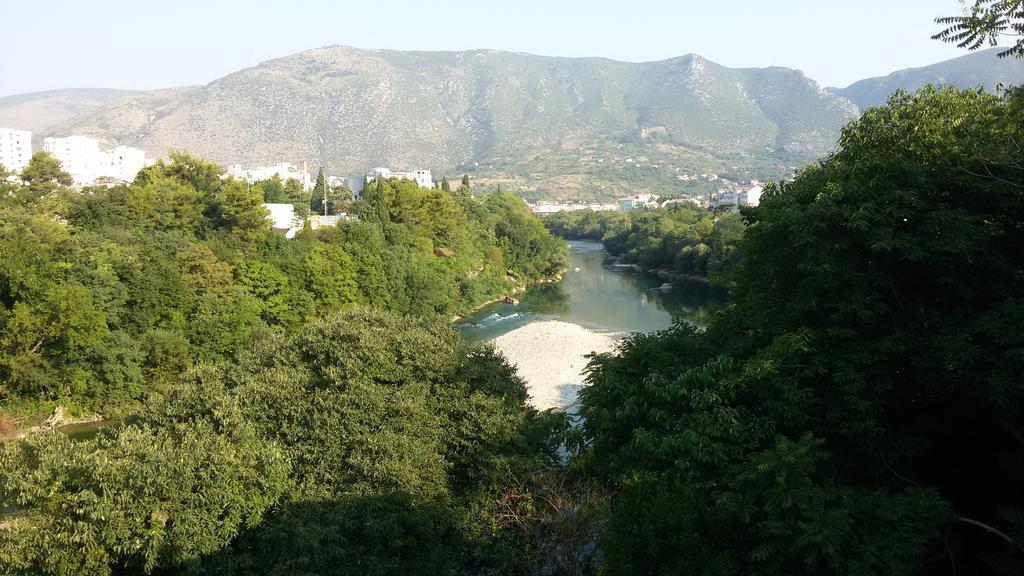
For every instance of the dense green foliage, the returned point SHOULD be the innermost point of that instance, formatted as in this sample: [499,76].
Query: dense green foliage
[985,22]
[108,294]
[366,443]
[680,239]
[857,408]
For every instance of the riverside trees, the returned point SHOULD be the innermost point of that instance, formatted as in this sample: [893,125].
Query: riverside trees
[857,407]
[681,239]
[106,295]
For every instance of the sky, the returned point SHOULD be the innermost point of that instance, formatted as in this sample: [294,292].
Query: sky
[139,44]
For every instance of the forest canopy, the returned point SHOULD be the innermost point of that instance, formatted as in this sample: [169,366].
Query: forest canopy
[857,407]
[109,293]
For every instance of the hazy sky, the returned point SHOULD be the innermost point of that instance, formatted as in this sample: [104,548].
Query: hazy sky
[143,44]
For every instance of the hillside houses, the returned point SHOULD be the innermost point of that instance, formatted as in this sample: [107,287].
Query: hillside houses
[737,198]
[283,170]
[285,220]
[422,177]
[638,202]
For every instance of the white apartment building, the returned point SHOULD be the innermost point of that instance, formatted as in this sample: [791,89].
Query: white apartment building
[422,177]
[122,163]
[15,149]
[283,170]
[736,198]
[78,155]
[638,202]
[82,158]
[752,197]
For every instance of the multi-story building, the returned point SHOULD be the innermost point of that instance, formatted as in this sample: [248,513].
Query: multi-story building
[283,170]
[15,149]
[82,158]
[736,198]
[638,202]
[78,155]
[422,177]
[121,163]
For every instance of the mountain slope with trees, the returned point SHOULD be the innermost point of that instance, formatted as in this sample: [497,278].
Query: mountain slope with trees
[540,121]
[984,69]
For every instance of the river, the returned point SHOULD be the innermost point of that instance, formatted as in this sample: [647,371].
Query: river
[595,303]
[598,294]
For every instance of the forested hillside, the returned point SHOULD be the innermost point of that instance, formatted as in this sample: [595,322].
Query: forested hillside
[983,69]
[551,127]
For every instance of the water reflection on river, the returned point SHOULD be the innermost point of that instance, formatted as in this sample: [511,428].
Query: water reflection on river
[599,295]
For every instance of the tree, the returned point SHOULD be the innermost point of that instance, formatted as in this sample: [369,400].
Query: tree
[983,23]
[445,186]
[242,210]
[331,278]
[44,173]
[274,191]
[139,500]
[294,190]
[864,361]
[164,202]
[318,201]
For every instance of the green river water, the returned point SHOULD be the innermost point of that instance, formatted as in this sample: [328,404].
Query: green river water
[599,294]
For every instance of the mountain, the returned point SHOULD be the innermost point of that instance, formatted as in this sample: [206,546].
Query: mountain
[554,127]
[39,111]
[982,68]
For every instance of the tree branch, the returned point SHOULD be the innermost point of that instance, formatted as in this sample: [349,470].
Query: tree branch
[985,527]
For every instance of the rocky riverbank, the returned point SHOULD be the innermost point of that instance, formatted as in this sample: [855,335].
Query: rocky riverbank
[551,357]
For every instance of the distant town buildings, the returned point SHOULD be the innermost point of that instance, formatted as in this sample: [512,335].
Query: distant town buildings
[121,163]
[82,158]
[422,177]
[284,219]
[640,201]
[15,149]
[545,207]
[283,170]
[78,155]
[738,197]
[680,201]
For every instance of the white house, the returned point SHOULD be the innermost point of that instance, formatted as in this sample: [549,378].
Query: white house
[283,219]
[423,178]
[284,170]
[15,149]
[752,197]
[677,201]
[737,198]
[637,202]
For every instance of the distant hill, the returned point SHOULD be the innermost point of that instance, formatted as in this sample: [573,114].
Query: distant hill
[982,68]
[39,111]
[553,127]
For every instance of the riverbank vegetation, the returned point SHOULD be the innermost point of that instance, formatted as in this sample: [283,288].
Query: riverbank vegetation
[109,294]
[364,443]
[857,408]
[681,240]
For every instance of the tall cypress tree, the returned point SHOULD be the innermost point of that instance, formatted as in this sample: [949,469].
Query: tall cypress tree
[319,193]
